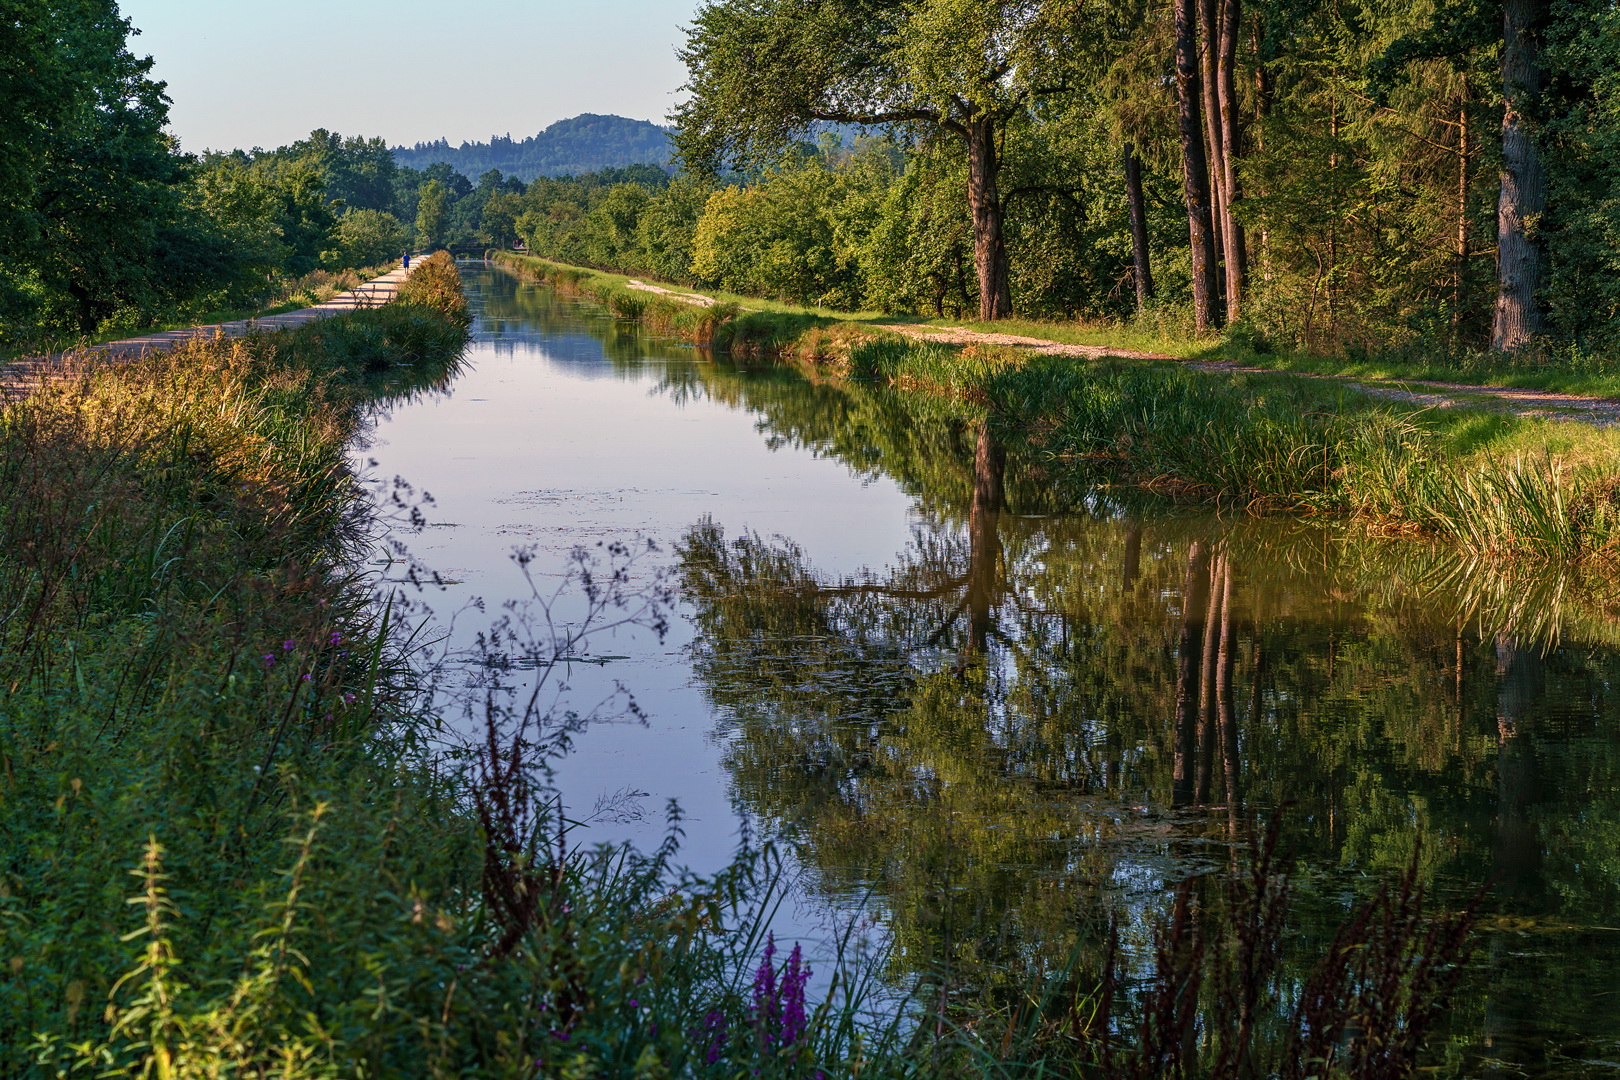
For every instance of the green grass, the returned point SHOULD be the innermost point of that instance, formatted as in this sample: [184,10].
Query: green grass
[1496,484]
[1564,370]
[1493,484]
[1566,373]
[291,295]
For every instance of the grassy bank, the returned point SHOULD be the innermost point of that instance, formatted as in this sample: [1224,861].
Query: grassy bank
[1494,484]
[744,326]
[766,325]
[282,295]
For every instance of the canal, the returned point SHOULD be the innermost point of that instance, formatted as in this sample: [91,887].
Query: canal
[985,710]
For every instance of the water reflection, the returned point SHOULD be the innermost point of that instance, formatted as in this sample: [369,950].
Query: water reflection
[1055,701]
[1029,713]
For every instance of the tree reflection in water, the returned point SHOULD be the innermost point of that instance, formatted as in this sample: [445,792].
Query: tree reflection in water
[1033,720]
[1030,721]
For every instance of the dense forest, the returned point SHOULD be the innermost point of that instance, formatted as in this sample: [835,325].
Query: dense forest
[1334,176]
[106,227]
[580,144]
[1338,177]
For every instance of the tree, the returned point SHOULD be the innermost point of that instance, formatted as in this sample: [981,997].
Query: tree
[1195,165]
[93,193]
[763,71]
[432,211]
[1524,180]
[365,238]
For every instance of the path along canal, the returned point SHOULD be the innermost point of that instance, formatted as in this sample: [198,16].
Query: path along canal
[950,681]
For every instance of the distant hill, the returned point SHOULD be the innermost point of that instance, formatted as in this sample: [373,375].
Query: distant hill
[582,144]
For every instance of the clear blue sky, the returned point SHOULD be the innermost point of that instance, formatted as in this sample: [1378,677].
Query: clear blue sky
[246,73]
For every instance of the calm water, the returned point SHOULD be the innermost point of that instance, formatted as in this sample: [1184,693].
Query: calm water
[956,694]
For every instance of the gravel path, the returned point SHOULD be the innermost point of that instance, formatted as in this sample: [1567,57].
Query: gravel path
[1545,404]
[21,377]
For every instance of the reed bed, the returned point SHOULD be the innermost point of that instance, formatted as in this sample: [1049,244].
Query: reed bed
[1493,485]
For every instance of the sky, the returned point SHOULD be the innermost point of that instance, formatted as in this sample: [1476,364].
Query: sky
[245,73]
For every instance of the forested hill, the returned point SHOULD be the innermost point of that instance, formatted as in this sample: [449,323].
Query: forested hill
[585,143]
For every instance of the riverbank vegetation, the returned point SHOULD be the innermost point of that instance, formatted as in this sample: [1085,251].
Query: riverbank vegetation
[108,228]
[1352,166]
[1494,484]
[237,848]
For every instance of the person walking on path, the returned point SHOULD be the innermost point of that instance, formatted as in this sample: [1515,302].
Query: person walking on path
[407,259]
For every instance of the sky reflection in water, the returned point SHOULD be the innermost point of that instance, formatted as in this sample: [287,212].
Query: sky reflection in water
[967,711]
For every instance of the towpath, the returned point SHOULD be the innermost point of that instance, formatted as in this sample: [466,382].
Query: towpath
[21,377]
[1546,404]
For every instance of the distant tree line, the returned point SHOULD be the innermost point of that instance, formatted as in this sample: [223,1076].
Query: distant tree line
[580,144]
[1323,175]
[106,226]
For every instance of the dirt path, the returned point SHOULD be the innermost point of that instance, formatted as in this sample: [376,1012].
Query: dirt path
[21,377]
[1546,404]
[684,297]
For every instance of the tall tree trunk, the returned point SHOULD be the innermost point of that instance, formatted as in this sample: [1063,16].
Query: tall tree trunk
[1237,255]
[1139,238]
[984,198]
[1208,58]
[1465,150]
[1524,181]
[1194,165]
[1189,668]
[1262,110]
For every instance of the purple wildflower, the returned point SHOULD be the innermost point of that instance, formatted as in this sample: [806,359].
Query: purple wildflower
[305,676]
[288,645]
[766,1005]
[778,1013]
[269,659]
[634,1004]
[335,639]
[794,976]
[715,1024]
[348,699]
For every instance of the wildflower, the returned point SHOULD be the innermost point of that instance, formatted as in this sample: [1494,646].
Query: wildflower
[348,699]
[335,639]
[778,1012]
[715,1024]
[288,645]
[634,1004]
[305,676]
[794,976]
[269,660]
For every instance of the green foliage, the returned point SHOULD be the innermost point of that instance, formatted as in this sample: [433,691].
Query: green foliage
[431,213]
[94,215]
[365,237]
